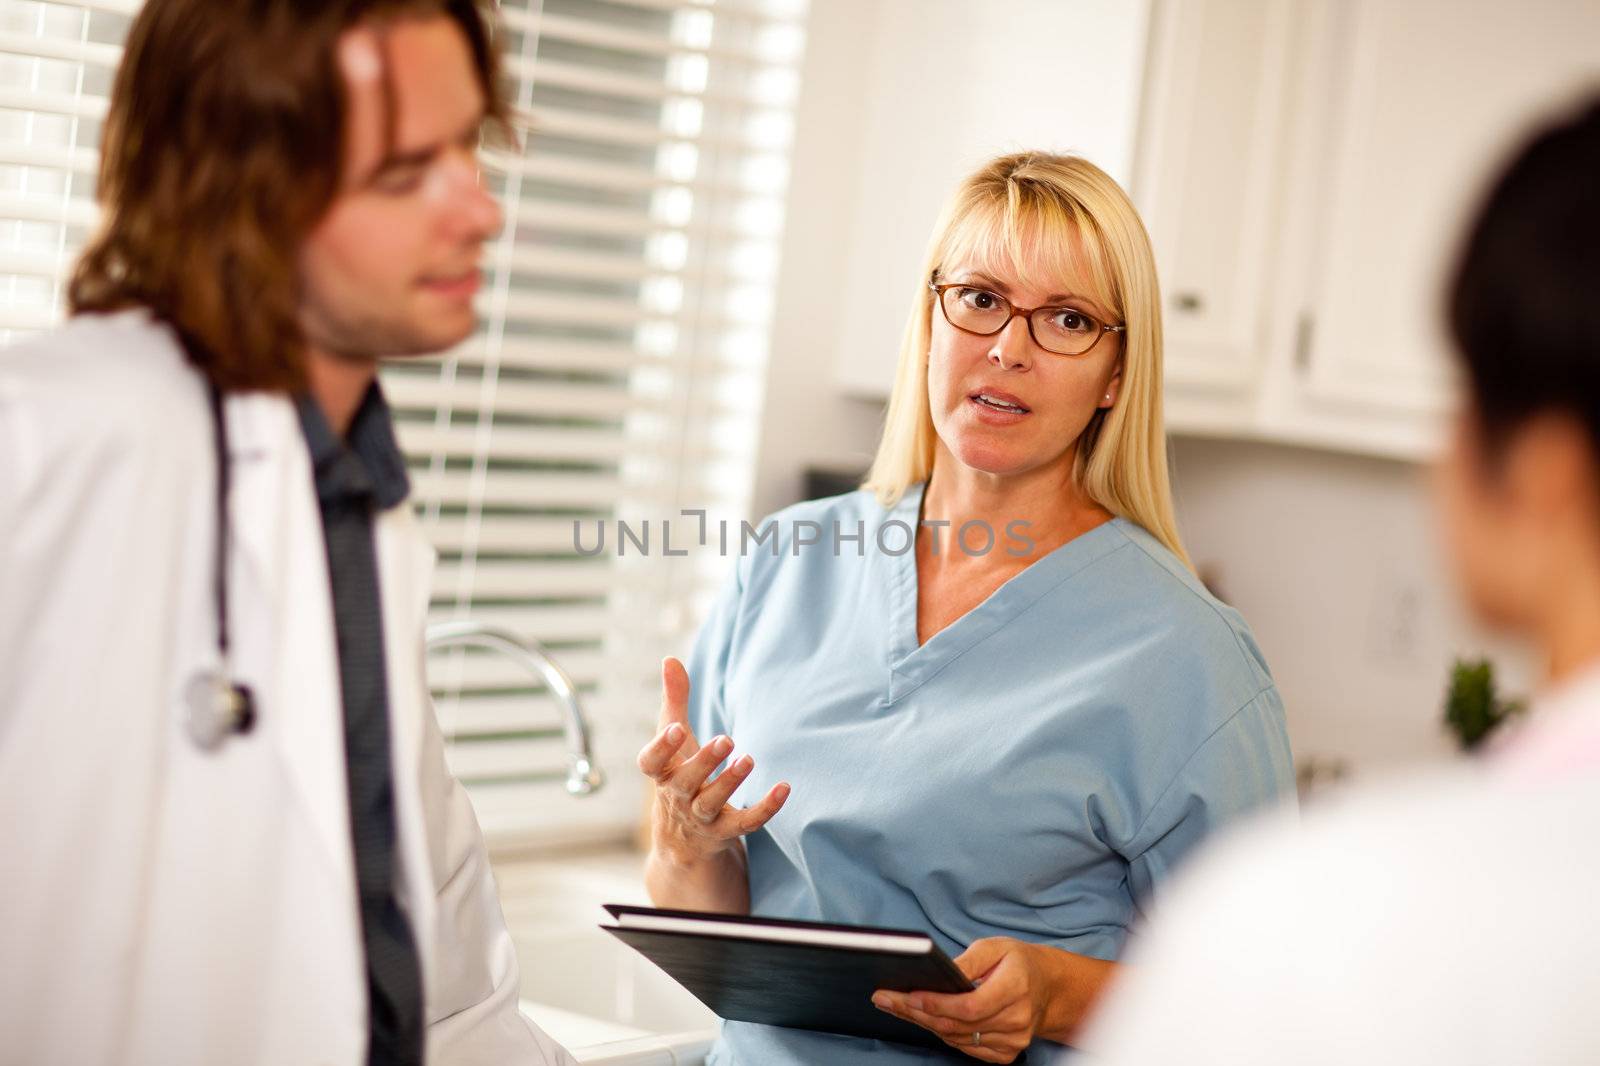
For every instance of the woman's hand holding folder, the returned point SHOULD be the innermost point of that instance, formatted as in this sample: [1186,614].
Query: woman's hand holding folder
[1025,991]
[696,860]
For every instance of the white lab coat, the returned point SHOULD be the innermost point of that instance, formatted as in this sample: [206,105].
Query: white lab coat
[164,905]
[1445,919]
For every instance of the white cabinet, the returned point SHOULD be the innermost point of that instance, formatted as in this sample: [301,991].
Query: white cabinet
[1304,168]
[1350,140]
[1207,182]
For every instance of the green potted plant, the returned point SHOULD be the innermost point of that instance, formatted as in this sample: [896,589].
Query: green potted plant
[1472,710]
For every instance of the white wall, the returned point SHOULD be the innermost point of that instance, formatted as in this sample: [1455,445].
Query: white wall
[806,421]
[950,85]
[1335,562]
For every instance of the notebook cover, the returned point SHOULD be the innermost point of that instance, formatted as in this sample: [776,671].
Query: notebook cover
[798,986]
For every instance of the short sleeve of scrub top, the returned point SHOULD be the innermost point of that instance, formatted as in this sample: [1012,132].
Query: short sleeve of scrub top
[1036,770]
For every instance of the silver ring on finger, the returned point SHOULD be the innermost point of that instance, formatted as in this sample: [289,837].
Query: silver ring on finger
[977,1039]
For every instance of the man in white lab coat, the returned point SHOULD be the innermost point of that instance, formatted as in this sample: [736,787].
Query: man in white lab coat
[290,189]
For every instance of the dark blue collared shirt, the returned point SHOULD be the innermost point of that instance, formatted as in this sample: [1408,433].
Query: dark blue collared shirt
[379,467]
[356,478]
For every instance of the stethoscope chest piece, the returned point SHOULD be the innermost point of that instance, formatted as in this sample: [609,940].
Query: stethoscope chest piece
[217,707]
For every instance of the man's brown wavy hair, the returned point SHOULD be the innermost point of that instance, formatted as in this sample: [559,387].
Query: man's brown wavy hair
[221,152]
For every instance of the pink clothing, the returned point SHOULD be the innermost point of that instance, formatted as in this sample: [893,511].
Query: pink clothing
[1560,737]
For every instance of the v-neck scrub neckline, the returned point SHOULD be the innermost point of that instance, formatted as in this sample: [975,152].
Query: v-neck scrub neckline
[912,663]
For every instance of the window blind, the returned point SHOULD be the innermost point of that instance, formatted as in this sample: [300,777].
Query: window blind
[616,376]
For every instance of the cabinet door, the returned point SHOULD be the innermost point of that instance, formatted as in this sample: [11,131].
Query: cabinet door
[1420,100]
[1208,183]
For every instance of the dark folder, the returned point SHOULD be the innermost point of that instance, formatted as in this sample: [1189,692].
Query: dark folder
[802,975]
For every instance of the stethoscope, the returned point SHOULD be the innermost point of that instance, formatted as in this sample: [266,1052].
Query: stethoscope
[218,705]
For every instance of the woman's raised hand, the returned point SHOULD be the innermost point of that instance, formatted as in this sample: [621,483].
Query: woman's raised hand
[692,819]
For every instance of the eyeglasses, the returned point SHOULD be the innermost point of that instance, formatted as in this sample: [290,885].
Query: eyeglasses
[982,312]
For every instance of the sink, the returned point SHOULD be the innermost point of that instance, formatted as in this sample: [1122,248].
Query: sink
[588,990]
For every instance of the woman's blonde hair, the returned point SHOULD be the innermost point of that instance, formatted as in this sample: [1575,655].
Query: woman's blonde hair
[1044,217]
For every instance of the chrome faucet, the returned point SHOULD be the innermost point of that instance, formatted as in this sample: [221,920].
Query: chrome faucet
[583,776]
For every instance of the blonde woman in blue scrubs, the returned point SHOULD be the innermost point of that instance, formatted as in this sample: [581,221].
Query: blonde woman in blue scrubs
[1006,710]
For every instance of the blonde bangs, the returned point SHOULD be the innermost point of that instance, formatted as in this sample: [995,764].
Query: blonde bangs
[1045,242]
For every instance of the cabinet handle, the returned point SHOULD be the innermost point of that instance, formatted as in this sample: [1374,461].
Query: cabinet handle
[1302,342]
[1188,302]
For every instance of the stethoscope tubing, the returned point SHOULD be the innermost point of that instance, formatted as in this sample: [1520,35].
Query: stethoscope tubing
[218,705]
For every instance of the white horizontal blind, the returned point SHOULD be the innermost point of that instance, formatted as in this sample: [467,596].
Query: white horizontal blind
[56,66]
[616,375]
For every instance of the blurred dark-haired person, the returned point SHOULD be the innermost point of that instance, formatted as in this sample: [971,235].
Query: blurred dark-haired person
[1451,921]
[229,835]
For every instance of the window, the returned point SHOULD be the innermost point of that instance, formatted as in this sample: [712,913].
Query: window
[616,376]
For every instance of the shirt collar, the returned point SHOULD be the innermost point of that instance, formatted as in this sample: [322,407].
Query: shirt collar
[368,462]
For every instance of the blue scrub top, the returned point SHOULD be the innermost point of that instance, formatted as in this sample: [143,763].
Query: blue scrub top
[1034,770]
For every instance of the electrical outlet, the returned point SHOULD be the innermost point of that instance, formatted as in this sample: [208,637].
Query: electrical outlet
[1398,622]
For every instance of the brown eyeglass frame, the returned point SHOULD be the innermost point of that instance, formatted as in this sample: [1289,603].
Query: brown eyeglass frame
[1026,313]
